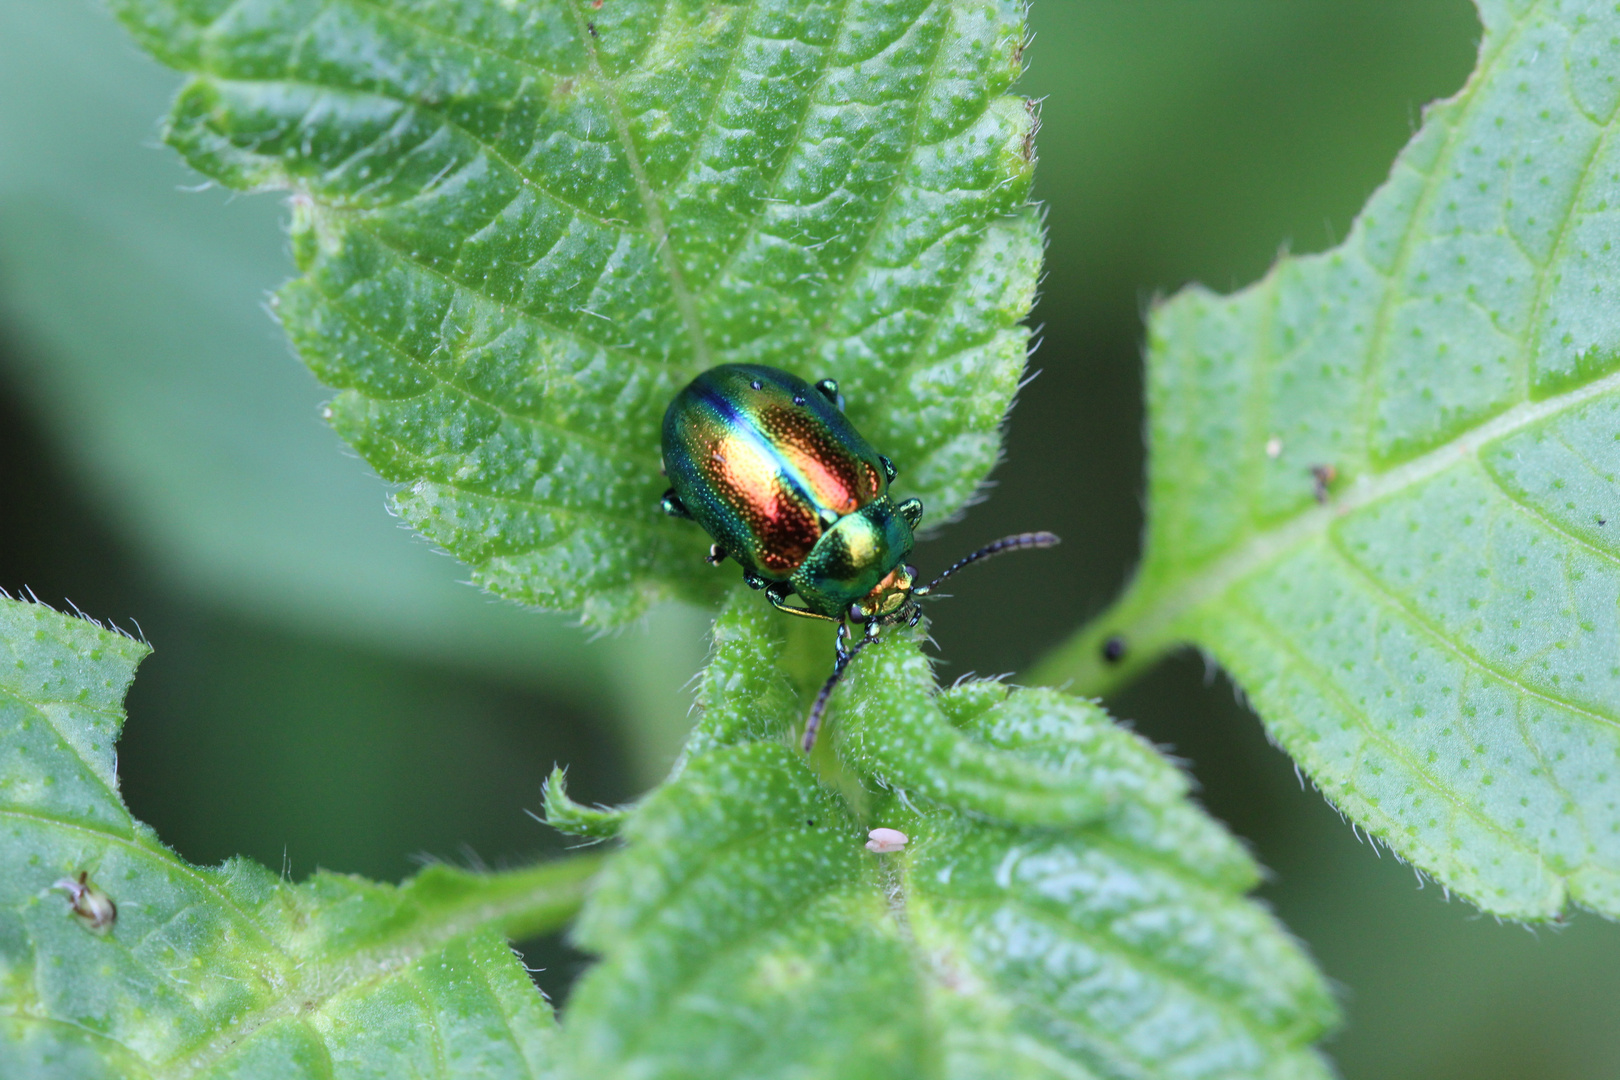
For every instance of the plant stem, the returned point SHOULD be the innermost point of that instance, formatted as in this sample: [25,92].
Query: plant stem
[523,903]
[1080,665]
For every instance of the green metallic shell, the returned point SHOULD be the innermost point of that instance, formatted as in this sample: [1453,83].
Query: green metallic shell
[784,484]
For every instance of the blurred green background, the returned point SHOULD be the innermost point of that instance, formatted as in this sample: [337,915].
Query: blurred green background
[326,693]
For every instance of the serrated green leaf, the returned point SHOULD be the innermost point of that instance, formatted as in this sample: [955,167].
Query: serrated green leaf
[522,229]
[228,971]
[1437,644]
[1060,910]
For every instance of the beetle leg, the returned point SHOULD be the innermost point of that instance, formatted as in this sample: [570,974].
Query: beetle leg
[912,511]
[716,555]
[673,506]
[829,390]
[778,593]
[888,468]
[753,580]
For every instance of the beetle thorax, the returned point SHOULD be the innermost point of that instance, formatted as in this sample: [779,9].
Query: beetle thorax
[853,558]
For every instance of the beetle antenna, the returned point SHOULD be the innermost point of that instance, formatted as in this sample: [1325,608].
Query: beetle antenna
[813,725]
[1016,542]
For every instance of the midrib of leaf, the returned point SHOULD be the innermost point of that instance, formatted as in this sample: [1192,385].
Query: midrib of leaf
[1150,622]
[644,189]
[323,977]
[648,196]
[1150,628]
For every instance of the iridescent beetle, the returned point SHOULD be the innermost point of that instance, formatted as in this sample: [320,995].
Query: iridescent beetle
[785,485]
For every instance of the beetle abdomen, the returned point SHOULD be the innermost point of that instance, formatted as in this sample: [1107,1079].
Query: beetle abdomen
[765,463]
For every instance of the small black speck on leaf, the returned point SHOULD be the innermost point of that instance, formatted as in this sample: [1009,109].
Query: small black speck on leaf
[1322,477]
[1113,649]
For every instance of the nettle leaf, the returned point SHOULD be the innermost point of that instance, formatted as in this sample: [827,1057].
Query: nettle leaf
[1061,908]
[523,227]
[227,971]
[1438,642]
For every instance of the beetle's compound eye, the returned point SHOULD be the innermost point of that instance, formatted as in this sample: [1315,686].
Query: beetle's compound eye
[884,841]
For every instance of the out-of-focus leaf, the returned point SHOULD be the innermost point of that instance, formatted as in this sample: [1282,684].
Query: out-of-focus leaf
[1383,486]
[1060,910]
[133,320]
[521,230]
[228,971]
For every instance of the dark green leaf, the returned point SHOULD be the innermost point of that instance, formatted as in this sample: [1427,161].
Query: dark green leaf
[522,229]
[228,971]
[1060,910]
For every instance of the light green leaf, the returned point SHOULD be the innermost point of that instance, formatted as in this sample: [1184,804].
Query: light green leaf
[228,971]
[523,228]
[1060,910]
[1438,643]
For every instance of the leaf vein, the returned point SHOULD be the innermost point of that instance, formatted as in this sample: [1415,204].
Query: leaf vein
[1308,670]
[1545,278]
[862,257]
[650,204]
[1377,344]
[1438,633]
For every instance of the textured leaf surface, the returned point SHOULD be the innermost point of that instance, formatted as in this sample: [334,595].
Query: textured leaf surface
[228,971]
[1439,643]
[523,228]
[1061,909]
